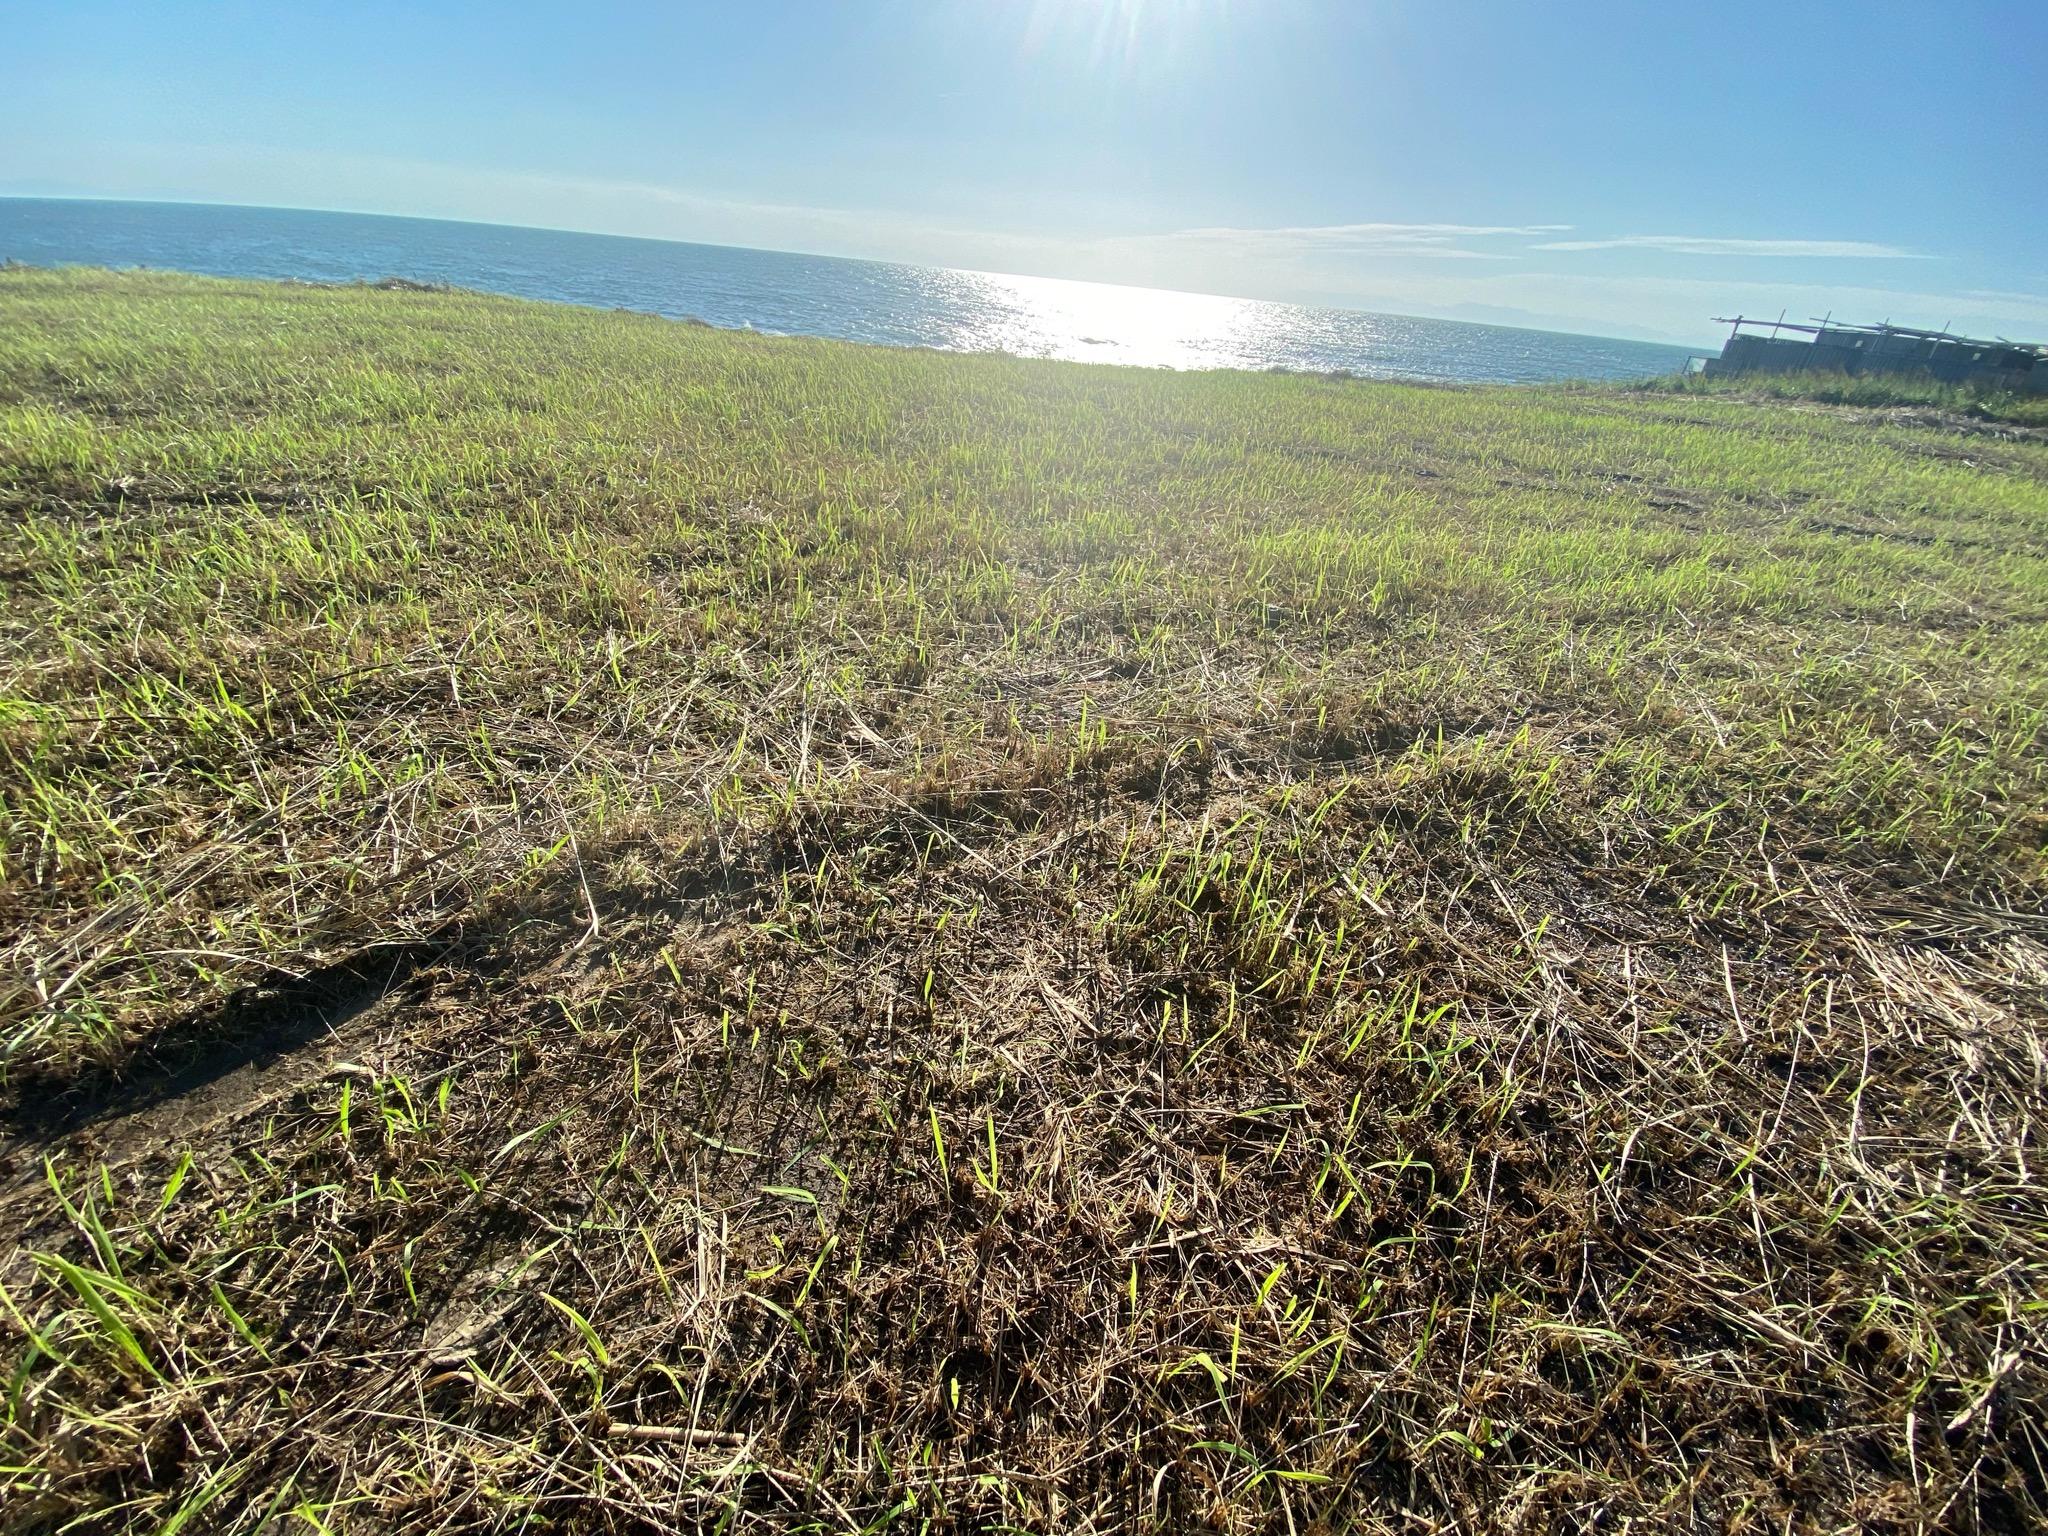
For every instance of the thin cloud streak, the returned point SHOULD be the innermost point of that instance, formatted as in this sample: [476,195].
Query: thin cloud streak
[1706,245]
[1360,239]
[1371,233]
[2007,296]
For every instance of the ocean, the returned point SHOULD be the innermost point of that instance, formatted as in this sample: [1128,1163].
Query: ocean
[892,303]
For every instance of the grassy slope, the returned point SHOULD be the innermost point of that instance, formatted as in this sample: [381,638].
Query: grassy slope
[997,940]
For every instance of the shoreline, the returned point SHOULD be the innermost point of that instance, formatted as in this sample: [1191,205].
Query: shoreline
[399,283]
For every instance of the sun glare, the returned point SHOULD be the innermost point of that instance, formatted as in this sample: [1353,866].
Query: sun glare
[1114,33]
[1104,322]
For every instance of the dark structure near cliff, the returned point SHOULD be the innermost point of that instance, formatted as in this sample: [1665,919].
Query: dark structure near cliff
[1833,347]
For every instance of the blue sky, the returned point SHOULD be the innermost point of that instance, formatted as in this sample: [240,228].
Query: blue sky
[1631,168]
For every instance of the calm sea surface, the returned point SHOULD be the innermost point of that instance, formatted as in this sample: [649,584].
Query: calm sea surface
[812,295]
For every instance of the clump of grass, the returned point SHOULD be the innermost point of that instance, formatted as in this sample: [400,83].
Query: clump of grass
[618,926]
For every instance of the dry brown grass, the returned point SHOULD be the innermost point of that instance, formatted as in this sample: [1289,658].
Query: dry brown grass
[628,929]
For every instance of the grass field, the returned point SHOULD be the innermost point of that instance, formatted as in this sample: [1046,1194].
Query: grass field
[611,926]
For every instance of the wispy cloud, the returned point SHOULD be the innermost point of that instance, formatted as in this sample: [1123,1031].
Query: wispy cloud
[1428,240]
[2006,296]
[1705,245]
[1390,234]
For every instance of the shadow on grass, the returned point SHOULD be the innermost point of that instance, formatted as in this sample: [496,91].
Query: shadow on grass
[254,1028]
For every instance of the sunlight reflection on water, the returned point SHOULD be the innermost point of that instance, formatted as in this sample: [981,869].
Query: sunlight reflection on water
[1101,323]
[1151,327]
